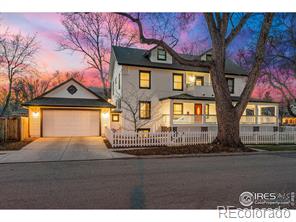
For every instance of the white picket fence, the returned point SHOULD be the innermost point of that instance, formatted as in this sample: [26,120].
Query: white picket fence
[133,139]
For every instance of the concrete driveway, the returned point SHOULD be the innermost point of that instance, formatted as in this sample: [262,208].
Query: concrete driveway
[59,149]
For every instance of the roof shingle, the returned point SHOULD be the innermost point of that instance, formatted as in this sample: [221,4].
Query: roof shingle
[138,57]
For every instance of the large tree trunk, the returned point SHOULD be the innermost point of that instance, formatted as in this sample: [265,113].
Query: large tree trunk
[227,117]
[228,129]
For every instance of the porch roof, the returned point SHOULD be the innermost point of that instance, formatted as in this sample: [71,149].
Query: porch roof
[185,96]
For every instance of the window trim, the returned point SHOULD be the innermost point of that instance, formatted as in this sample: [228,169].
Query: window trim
[149,102]
[182,108]
[165,54]
[202,80]
[230,78]
[178,74]
[114,114]
[144,71]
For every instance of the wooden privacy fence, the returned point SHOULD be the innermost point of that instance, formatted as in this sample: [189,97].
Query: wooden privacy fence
[134,139]
[13,128]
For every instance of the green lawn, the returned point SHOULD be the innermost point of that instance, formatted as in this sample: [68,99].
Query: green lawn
[279,147]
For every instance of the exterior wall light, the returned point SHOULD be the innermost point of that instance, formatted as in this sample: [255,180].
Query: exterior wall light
[35,114]
[105,115]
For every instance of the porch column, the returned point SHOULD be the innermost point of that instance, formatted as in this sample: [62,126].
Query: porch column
[171,112]
[256,113]
[276,113]
[203,113]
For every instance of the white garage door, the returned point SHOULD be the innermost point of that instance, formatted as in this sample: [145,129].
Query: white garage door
[56,123]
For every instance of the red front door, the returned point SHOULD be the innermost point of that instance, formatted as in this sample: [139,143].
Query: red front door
[198,113]
[198,109]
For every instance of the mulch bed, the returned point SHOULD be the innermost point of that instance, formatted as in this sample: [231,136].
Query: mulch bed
[198,149]
[14,145]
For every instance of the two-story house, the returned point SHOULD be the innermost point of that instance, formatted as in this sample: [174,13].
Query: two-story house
[153,92]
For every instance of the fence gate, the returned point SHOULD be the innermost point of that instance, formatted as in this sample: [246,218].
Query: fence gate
[13,128]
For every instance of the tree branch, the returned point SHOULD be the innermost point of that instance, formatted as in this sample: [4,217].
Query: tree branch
[255,71]
[237,29]
[172,52]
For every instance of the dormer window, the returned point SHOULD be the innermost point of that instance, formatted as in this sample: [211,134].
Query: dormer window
[161,54]
[208,57]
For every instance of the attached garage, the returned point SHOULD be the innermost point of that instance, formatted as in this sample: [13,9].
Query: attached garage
[59,123]
[69,109]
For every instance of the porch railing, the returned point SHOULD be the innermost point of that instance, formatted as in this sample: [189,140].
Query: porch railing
[190,119]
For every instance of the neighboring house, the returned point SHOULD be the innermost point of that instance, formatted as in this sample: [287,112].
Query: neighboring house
[69,109]
[170,96]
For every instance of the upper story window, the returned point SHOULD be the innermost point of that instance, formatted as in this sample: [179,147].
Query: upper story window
[199,80]
[178,108]
[145,109]
[178,82]
[230,83]
[161,54]
[145,79]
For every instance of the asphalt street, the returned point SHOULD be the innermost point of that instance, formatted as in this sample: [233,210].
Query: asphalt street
[173,183]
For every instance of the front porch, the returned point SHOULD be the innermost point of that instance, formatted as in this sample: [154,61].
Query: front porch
[181,113]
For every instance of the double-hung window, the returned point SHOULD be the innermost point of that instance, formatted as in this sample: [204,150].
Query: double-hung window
[178,108]
[199,80]
[177,82]
[145,109]
[144,79]
[230,83]
[161,54]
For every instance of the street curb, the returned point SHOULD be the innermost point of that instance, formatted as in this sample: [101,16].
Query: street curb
[164,156]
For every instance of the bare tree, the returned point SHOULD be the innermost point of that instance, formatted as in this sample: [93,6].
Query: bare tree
[279,67]
[223,29]
[26,88]
[59,77]
[16,53]
[131,105]
[92,35]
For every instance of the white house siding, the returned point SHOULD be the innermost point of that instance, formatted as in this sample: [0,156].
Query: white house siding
[116,91]
[161,86]
[34,121]
[61,92]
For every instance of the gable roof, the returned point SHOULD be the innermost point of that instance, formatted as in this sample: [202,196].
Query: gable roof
[138,57]
[70,102]
[65,82]
[185,96]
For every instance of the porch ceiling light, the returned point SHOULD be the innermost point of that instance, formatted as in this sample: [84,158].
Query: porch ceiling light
[191,79]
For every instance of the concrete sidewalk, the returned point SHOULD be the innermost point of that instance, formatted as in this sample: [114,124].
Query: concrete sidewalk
[59,149]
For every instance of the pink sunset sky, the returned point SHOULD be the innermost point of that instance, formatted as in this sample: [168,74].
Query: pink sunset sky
[48,28]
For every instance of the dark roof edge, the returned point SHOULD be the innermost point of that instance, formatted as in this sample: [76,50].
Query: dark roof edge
[212,99]
[101,106]
[157,67]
